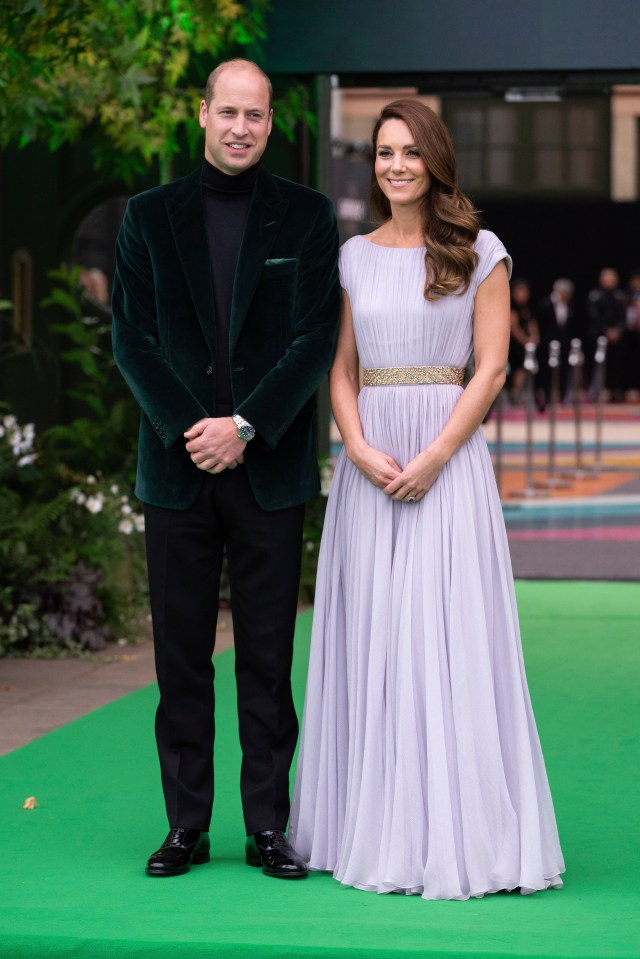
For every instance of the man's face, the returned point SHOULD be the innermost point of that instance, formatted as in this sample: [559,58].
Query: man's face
[237,122]
[609,279]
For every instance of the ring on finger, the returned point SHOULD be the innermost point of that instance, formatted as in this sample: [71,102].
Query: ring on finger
[410,499]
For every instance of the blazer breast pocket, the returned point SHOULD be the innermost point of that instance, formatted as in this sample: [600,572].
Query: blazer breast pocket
[279,266]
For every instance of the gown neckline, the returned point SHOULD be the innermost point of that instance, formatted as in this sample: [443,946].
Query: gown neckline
[380,246]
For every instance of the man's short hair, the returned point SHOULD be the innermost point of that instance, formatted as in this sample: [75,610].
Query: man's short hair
[237,61]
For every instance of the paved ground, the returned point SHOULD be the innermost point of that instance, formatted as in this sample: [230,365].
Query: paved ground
[38,695]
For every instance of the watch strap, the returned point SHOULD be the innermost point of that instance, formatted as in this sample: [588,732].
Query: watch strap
[246,431]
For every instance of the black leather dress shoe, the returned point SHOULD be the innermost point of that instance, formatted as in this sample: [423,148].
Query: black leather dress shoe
[270,849]
[181,849]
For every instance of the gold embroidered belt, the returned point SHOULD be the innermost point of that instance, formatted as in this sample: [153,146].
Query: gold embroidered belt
[414,376]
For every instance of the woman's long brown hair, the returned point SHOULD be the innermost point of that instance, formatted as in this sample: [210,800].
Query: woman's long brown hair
[450,222]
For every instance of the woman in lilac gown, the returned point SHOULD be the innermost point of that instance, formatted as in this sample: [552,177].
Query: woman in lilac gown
[420,769]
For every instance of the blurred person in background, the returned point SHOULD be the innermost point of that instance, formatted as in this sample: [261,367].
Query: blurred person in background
[557,321]
[524,329]
[630,341]
[95,292]
[606,315]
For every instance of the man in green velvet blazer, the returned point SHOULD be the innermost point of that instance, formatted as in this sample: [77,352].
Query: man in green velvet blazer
[225,313]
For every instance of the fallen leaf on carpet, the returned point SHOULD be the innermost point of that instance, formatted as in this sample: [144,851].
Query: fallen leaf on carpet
[30,803]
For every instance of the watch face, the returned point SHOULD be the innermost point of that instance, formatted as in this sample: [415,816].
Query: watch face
[245,430]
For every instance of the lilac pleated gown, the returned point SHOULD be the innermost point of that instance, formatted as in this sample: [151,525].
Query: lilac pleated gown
[420,769]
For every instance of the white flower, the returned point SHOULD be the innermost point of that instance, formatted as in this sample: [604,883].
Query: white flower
[94,504]
[125,526]
[27,460]
[10,422]
[29,431]
[309,546]
[78,497]
[124,499]
[138,519]
[90,480]
[20,443]
[125,509]
[114,489]
[1,431]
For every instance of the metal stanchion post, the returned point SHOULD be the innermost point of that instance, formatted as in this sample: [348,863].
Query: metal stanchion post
[576,362]
[600,364]
[497,464]
[531,368]
[552,481]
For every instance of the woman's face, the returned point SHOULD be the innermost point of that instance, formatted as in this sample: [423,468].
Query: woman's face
[400,171]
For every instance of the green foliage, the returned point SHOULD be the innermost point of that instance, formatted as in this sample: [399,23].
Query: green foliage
[294,108]
[103,437]
[22,626]
[71,553]
[123,67]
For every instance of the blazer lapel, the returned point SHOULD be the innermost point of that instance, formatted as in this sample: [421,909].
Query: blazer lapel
[185,210]
[263,223]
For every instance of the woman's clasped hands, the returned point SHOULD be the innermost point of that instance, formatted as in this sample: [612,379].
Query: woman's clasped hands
[409,484]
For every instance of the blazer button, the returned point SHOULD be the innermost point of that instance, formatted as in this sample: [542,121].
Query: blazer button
[209,370]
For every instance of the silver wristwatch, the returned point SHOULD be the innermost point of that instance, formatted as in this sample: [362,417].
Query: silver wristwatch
[246,431]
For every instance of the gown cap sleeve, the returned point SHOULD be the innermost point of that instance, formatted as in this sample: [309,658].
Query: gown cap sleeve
[490,251]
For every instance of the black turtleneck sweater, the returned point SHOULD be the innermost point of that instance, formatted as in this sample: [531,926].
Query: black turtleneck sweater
[226,204]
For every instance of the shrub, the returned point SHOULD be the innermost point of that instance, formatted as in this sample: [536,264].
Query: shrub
[71,554]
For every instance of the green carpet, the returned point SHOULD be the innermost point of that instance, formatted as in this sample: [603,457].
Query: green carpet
[71,871]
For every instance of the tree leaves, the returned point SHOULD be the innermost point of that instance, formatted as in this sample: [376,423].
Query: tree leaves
[124,68]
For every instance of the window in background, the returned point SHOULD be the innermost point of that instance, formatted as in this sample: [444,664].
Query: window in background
[530,148]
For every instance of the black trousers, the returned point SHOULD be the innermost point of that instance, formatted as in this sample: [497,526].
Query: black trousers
[184,556]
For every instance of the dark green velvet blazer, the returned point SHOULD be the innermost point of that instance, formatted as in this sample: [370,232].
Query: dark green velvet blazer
[283,331]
